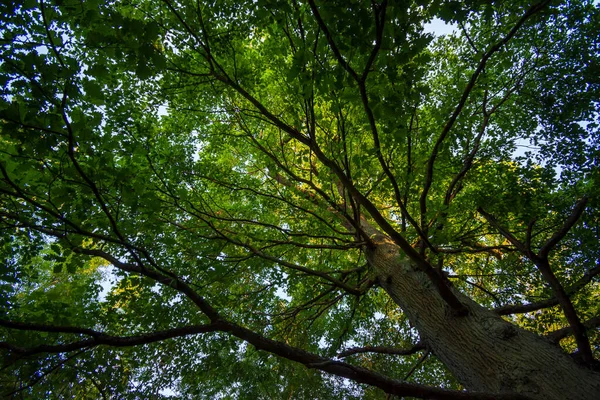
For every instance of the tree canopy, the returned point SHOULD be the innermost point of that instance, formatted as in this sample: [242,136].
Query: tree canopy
[218,199]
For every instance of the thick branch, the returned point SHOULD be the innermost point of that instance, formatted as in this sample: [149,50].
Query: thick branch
[24,326]
[357,374]
[565,302]
[98,338]
[524,308]
[557,335]
[541,262]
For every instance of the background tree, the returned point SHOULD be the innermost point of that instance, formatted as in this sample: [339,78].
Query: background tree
[189,189]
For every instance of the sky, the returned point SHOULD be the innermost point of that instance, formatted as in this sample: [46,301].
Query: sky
[439,27]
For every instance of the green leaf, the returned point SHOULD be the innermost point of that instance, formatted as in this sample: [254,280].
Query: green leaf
[143,70]
[94,90]
[98,71]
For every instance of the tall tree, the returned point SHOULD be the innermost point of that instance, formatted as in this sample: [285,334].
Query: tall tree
[299,199]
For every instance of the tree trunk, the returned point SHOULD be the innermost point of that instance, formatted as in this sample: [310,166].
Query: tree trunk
[483,351]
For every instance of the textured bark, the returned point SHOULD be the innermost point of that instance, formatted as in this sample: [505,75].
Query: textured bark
[483,351]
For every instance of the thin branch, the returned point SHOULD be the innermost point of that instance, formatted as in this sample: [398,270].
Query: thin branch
[495,48]
[361,82]
[331,42]
[478,286]
[464,30]
[566,227]
[419,362]
[43,375]
[168,280]
[511,238]
[293,266]
[495,251]
[382,350]
[468,162]
[379,10]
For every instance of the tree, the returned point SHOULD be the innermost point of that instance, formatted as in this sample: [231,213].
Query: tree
[299,199]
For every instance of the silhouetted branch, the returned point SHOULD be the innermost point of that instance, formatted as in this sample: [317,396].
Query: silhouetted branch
[98,338]
[382,350]
[565,228]
[310,360]
[419,362]
[495,48]
[557,335]
[541,262]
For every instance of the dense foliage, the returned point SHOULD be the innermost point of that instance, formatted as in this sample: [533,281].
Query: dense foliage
[187,189]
